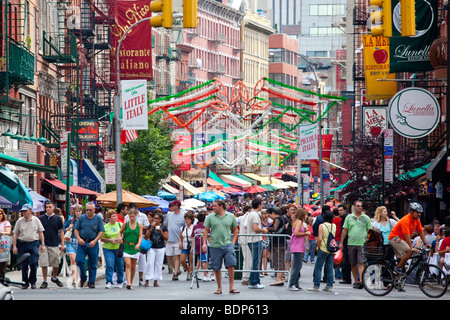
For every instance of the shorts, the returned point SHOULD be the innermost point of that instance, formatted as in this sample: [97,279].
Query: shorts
[173,249]
[132,256]
[225,254]
[186,251]
[202,257]
[356,255]
[49,257]
[399,245]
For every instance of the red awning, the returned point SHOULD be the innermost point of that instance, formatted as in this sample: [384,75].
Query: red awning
[74,189]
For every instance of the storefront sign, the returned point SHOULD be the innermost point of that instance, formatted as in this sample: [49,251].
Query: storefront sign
[134,104]
[374,119]
[376,66]
[87,130]
[412,54]
[414,112]
[135,60]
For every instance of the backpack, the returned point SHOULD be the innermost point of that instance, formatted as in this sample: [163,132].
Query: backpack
[332,243]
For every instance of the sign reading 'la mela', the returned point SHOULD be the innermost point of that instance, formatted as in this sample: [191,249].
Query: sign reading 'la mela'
[414,112]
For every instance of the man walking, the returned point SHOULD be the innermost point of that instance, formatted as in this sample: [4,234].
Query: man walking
[88,230]
[28,237]
[174,221]
[356,226]
[346,268]
[54,236]
[220,225]
[254,242]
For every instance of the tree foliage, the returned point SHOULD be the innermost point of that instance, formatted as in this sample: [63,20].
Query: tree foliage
[364,161]
[147,160]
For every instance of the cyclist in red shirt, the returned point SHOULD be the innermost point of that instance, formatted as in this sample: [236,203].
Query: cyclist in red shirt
[400,236]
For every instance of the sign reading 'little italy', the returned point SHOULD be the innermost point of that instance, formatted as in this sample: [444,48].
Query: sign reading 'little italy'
[414,112]
[134,104]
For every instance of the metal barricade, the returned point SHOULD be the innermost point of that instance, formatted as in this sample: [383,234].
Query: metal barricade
[275,246]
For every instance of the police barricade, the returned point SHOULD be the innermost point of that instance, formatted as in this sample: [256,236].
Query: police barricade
[274,254]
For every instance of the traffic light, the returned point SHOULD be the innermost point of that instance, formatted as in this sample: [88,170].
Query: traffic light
[164,20]
[408,16]
[190,8]
[381,18]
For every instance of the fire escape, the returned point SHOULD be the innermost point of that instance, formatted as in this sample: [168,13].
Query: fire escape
[81,51]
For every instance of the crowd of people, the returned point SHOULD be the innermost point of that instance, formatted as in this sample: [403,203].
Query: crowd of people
[275,233]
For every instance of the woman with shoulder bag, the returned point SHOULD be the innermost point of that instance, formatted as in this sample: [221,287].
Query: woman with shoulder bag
[71,242]
[185,243]
[131,234]
[112,242]
[324,257]
[157,234]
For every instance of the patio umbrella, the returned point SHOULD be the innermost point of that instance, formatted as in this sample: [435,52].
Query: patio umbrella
[38,201]
[110,200]
[6,204]
[192,203]
[162,204]
[166,195]
[255,189]
[12,189]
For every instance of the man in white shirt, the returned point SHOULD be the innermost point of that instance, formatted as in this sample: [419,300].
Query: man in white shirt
[254,242]
[246,253]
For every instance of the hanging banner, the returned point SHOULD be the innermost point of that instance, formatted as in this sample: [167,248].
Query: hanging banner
[110,167]
[309,138]
[135,59]
[376,66]
[327,140]
[134,104]
[374,119]
[388,155]
[412,54]
[182,161]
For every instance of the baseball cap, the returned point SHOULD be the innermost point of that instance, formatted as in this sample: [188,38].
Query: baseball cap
[175,203]
[26,207]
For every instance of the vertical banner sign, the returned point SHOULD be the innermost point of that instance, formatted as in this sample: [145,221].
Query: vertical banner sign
[412,54]
[388,155]
[327,140]
[309,147]
[110,167]
[134,104]
[136,48]
[376,66]
[183,161]
[374,120]
[64,141]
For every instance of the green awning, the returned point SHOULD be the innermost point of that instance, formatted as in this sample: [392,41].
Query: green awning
[29,165]
[415,173]
[214,176]
[268,187]
[243,177]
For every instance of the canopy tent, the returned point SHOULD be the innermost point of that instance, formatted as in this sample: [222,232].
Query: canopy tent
[170,189]
[74,189]
[189,188]
[214,184]
[235,181]
[233,191]
[244,177]
[6,204]
[269,187]
[256,189]
[192,203]
[162,204]
[29,165]
[208,196]
[166,195]
[12,189]
[214,176]
[110,200]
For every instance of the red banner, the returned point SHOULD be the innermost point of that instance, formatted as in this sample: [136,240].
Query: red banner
[327,140]
[135,57]
[184,161]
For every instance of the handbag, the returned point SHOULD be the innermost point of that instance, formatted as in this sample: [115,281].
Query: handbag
[332,243]
[68,235]
[146,244]
[337,259]
[120,251]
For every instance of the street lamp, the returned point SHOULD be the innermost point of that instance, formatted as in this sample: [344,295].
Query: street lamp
[117,122]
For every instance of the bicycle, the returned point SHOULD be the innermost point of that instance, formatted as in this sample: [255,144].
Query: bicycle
[379,277]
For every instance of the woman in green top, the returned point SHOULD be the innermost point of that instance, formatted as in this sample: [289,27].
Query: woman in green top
[111,242]
[131,233]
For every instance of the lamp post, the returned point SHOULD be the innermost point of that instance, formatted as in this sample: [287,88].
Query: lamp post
[117,121]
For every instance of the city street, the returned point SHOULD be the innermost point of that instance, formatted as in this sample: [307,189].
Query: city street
[180,290]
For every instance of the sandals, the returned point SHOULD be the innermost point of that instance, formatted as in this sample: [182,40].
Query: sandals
[233,291]
[218,291]
[277,284]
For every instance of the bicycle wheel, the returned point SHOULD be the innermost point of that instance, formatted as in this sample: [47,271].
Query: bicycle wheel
[378,279]
[432,281]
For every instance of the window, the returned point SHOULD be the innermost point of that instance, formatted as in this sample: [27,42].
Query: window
[326,9]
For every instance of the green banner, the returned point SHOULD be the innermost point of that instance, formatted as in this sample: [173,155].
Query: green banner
[411,54]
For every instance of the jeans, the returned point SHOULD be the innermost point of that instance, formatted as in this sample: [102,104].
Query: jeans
[256,250]
[310,253]
[112,261]
[326,259]
[33,249]
[92,253]
[295,274]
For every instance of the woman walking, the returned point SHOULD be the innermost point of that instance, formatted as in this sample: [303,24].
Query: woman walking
[324,257]
[298,240]
[71,242]
[131,233]
[185,244]
[157,234]
[112,241]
